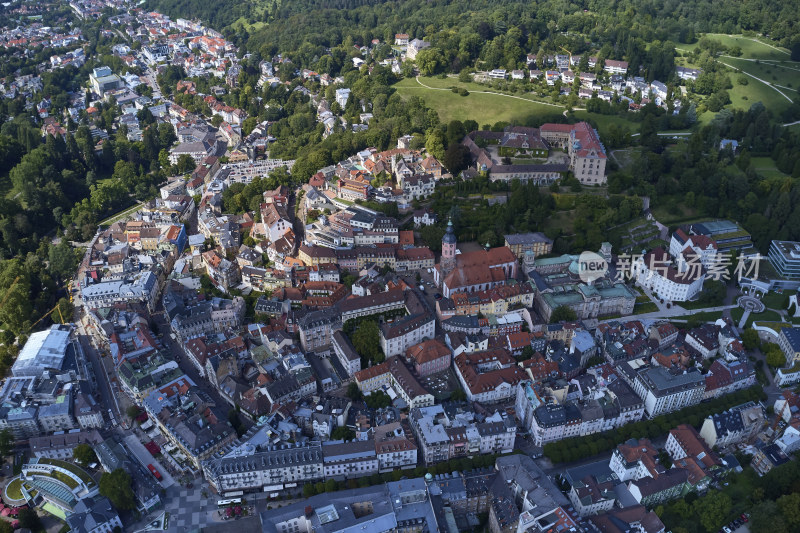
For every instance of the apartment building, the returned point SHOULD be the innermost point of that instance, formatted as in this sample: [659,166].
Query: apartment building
[663,390]
[250,470]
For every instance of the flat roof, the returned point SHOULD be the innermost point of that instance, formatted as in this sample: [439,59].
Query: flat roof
[44,349]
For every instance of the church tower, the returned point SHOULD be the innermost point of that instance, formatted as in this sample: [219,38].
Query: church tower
[448,262]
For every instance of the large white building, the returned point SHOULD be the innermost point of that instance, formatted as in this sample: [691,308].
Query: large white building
[143,288]
[394,450]
[347,460]
[346,354]
[245,469]
[400,335]
[634,460]
[663,390]
[702,247]
[45,350]
[656,272]
[489,376]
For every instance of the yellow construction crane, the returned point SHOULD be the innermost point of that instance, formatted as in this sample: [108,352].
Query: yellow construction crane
[48,314]
[570,55]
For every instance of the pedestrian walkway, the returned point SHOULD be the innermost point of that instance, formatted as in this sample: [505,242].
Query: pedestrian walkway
[676,312]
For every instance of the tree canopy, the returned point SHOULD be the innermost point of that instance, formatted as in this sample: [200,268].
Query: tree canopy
[116,486]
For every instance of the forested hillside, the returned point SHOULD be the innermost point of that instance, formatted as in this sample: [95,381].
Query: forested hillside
[497,32]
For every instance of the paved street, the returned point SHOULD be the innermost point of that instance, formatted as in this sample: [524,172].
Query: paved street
[108,397]
[185,364]
[196,507]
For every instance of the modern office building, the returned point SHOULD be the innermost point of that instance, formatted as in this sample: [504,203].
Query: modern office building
[784,256]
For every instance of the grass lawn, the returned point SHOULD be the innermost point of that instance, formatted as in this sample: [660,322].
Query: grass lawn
[743,96]
[65,479]
[677,214]
[480,107]
[774,326]
[698,305]
[708,316]
[773,300]
[79,472]
[766,316]
[773,67]
[751,47]
[14,489]
[648,307]
[766,167]
[119,216]
[785,74]
[604,121]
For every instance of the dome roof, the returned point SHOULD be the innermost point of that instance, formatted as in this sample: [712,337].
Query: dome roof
[449,236]
[573,267]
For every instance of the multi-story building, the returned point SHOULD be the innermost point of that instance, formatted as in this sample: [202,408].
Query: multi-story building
[656,272]
[635,460]
[521,243]
[57,416]
[490,376]
[398,506]
[191,420]
[94,515]
[224,273]
[587,154]
[785,258]
[704,340]
[724,378]
[373,304]
[346,353]
[317,328]
[429,357]
[789,341]
[653,491]
[393,448]
[472,271]
[87,412]
[244,469]
[593,495]
[394,374]
[21,421]
[104,80]
[735,425]
[63,445]
[691,453]
[431,434]
[44,350]
[700,246]
[420,324]
[663,390]
[142,288]
[348,460]
[601,298]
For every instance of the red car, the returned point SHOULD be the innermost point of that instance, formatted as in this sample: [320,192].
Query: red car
[155,472]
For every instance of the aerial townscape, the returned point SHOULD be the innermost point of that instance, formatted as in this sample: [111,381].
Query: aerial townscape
[413,266]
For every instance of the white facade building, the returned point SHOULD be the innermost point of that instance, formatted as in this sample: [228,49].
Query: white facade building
[656,272]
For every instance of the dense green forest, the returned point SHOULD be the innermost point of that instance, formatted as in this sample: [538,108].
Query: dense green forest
[62,186]
[496,33]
